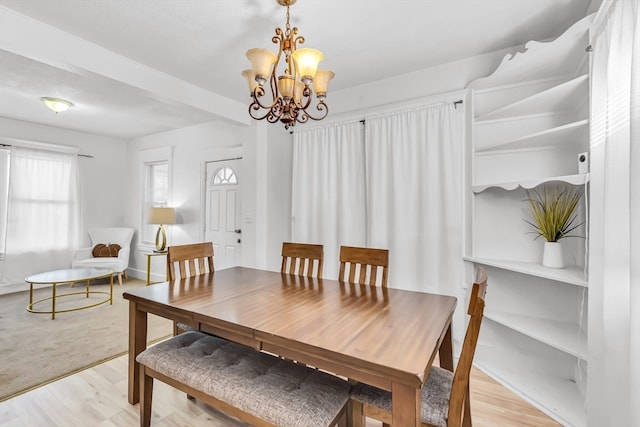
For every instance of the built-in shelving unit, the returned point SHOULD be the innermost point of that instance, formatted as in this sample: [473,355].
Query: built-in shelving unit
[530,124]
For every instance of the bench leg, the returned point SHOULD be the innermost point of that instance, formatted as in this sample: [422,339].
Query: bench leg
[357,416]
[146,396]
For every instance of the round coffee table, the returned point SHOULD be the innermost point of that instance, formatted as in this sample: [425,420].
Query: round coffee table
[71,275]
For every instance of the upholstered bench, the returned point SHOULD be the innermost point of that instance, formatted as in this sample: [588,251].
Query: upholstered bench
[253,386]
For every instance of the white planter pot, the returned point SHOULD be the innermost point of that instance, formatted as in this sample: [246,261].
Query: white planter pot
[552,256]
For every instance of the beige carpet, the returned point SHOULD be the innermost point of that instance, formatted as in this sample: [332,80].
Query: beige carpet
[35,350]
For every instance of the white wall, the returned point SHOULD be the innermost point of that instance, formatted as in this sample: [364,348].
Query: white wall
[191,147]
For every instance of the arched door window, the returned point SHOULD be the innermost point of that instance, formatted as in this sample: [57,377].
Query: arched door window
[225,176]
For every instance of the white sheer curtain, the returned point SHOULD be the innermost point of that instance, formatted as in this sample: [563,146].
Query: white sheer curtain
[328,190]
[414,185]
[397,186]
[614,262]
[42,213]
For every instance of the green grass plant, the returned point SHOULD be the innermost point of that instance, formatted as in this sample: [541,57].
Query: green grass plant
[553,211]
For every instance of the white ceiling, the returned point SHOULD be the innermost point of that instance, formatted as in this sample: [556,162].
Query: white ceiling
[138,67]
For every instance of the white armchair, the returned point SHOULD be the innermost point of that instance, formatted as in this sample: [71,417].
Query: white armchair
[83,257]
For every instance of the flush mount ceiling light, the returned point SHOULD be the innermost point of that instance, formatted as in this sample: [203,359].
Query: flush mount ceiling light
[290,92]
[56,104]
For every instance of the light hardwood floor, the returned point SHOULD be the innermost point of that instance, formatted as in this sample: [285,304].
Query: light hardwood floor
[97,397]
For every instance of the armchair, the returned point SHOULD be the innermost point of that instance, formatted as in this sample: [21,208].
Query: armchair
[83,257]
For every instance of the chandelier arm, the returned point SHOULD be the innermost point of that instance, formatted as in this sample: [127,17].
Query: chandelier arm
[322,107]
[252,108]
[259,92]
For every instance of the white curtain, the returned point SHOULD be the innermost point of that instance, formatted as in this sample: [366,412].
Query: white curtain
[614,262]
[42,213]
[328,189]
[414,185]
[396,186]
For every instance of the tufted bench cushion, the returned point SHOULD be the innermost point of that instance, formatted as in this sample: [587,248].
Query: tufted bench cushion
[267,387]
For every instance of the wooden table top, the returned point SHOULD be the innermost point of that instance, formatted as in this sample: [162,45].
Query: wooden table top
[388,333]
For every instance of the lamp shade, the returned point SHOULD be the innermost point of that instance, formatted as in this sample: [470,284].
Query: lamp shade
[285,85]
[307,61]
[321,82]
[251,80]
[160,215]
[261,62]
[56,104]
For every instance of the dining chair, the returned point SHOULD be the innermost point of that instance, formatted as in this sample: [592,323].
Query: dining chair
[445,395]
[298,258]
[367,259]
[192,259]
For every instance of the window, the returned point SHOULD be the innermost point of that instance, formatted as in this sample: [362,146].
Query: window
[41,215]
[158,187]
[156,193]
[155,188]
[4,198]
[225,175]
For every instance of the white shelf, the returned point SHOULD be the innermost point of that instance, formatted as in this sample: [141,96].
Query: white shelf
[567,96]
[531,122]
[554,137]
[562,56]
[557,397]
[572,275]
[578,179]
[564,336]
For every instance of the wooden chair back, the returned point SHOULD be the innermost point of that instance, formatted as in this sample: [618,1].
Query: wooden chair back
[459,407]
[190,260]
[367,260]
[298,258]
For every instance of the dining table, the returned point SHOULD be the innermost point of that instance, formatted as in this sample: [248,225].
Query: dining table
[384,337]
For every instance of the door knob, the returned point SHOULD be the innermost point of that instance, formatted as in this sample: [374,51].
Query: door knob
[238,230]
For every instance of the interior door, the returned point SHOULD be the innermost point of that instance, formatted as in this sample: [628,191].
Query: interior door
[222,201]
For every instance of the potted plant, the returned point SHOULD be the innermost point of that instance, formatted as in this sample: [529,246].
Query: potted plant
[553,217]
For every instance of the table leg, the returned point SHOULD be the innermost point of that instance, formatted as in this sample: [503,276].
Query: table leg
[87,289]
[111,290]
[53,303]
[148,270]
[446,351]
[137,344]
[30,296]
[406,406]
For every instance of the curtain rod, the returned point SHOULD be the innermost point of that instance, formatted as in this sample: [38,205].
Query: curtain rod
[455,105]
[79,155]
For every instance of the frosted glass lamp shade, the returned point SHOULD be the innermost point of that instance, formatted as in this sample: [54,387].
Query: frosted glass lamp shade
[307,61]
[297,92]
[261,62]
[251,80]
[321,82]
[285,85]
[56,104]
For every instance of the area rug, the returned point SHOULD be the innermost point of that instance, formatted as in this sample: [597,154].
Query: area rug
[35,350]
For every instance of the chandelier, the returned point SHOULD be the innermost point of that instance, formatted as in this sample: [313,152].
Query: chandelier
[290,93]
